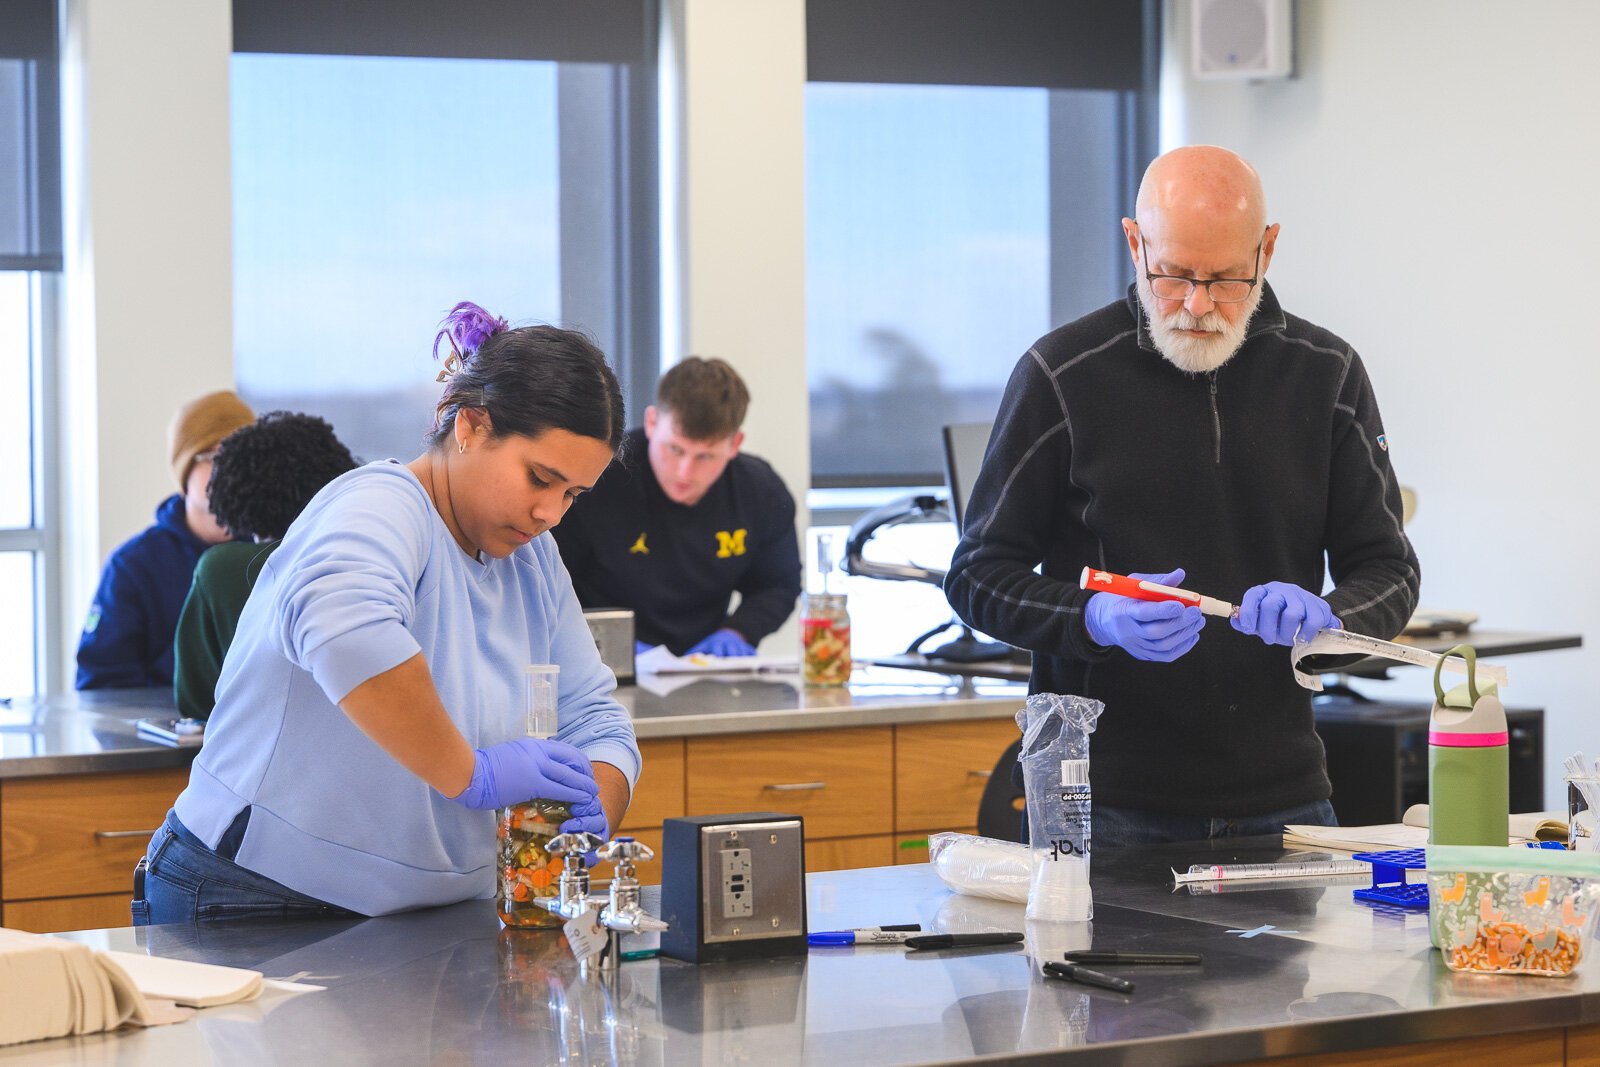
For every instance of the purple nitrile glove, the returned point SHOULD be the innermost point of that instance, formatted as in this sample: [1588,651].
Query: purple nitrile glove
[515,771]
[641,647]
[588,817]
[1155,631]
[1277,611]
[725,642]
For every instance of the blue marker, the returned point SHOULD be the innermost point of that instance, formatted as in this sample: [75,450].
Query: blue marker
[876,935]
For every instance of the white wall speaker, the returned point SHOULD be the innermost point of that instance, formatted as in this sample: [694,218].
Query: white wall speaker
[1243,39]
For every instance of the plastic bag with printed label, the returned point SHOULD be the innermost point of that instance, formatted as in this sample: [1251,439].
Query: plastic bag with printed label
[1055,773]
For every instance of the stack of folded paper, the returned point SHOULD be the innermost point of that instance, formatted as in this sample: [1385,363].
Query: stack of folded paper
[50,987]
[53,988]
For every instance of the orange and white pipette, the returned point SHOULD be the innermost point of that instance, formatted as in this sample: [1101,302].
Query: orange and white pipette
[1140,589]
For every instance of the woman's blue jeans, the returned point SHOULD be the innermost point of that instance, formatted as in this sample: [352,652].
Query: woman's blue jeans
[180,880]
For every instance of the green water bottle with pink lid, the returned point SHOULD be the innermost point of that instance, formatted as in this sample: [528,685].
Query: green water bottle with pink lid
[1469,792]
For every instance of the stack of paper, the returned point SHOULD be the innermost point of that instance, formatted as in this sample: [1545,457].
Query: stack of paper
[660,660]
[189,985]
[1412,832]
[55,988]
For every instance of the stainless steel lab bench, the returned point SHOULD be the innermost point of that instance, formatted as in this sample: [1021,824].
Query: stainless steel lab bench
[1287,972]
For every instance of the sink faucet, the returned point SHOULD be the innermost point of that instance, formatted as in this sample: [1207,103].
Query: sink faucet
[622,913]
[572,895]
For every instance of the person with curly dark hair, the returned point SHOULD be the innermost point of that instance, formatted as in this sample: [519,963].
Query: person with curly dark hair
[262,477]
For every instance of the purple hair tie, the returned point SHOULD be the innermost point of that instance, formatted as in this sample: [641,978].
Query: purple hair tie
[466,328]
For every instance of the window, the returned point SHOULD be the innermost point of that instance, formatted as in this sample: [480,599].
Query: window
[30,259]
[966,168]
[961,201]
[475,154]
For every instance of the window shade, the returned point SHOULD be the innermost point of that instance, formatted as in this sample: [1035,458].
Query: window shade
[566,31]
[30,137]
[1051,44]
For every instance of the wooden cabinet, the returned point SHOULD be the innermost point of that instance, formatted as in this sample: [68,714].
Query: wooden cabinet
[869,795]
[68,845]
[838,781]
[847,853]
[941,769]
[659,792]
[657,795]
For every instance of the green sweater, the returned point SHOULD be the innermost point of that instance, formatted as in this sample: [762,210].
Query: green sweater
[222,582]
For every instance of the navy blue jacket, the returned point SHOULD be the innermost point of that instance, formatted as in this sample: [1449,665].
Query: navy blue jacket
[127,638]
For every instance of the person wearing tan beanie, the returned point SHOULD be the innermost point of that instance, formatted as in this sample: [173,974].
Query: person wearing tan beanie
[127,637]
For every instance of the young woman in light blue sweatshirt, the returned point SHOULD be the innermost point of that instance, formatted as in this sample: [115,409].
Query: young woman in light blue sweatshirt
[369,712]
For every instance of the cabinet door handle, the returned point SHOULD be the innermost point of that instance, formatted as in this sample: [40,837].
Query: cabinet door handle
[981,774]
[795,787]
[112,835]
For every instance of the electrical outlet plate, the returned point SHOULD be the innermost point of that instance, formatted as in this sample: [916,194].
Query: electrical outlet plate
[754,881]
[733,887]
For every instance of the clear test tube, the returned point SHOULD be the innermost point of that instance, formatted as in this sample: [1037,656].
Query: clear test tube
[541,686]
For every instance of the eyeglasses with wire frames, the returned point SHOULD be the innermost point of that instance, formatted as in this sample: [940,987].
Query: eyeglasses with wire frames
[1220,290]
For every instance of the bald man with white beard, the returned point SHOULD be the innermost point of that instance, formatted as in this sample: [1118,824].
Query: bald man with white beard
[1193,433]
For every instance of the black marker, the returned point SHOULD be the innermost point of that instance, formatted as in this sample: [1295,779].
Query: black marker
[1086,956]
[1074,972]
[962,940]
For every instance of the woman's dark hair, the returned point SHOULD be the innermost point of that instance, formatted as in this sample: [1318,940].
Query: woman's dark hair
[530,379]
[266,473]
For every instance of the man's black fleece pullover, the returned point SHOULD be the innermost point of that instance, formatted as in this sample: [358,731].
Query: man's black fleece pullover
[1104,454]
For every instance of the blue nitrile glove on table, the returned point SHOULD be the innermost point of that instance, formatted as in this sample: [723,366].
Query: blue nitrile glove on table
[725,642]
[1156,631]
[515,771]
[1275,612]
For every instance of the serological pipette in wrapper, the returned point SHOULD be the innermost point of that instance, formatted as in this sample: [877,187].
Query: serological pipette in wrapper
[1331,642]
[1141,589]
[1343,643]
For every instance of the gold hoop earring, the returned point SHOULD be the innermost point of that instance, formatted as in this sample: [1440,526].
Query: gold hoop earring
[461,448]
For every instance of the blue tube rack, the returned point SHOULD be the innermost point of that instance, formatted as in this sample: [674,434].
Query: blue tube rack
[1389,885]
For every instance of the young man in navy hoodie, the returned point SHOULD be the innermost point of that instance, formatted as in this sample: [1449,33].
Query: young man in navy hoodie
[127,637]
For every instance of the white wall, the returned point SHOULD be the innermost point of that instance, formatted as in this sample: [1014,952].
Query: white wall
[734,192]
[149,264]
[1433,165]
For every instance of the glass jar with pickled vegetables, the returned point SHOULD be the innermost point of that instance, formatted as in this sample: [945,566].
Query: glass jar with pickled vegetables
[825,639]
[525,871]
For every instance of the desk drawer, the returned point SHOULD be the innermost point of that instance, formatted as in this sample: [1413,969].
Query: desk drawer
[838,781]
[850,853]
[941,769]
[659,792]
[77,835]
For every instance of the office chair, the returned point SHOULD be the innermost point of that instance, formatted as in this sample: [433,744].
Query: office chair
[1003,809]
